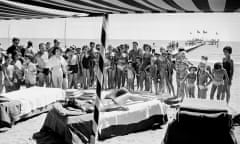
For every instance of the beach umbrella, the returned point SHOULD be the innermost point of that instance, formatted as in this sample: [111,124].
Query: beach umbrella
[20,9]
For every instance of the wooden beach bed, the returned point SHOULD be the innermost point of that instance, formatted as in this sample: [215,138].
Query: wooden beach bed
[78,129]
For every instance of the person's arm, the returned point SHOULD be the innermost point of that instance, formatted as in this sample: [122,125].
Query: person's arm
[184,79]
[197,77]
[6,75]
[231,70]
[210,78]
[34,69]
[226,76]
[147,67]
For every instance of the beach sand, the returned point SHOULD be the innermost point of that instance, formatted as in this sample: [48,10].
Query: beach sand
[22,133]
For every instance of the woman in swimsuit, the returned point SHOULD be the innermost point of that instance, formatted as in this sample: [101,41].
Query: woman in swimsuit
[146,60]
[122,63]
[86,65]
[228,65]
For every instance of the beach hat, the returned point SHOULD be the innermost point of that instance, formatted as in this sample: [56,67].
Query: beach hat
[192,67]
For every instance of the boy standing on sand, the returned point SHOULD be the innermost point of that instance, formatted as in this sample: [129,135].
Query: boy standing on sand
[218,74]
[151,72]
[228,65]
[203,80]
[181,67]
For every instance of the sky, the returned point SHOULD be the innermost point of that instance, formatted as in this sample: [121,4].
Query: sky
[130,26]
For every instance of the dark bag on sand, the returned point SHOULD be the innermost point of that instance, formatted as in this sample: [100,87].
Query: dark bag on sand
[200,126]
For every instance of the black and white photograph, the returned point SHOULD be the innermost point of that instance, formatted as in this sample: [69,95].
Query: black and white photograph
[119,72]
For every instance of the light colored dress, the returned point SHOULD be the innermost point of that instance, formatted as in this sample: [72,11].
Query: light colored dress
[57,66]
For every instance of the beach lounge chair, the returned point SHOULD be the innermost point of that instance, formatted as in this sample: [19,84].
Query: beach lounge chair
[25,103]
[201,122]
[78,129]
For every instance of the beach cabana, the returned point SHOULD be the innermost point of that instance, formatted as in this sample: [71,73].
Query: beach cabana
[27,9]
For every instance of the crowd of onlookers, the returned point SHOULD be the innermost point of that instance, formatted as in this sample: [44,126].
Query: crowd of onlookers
[137,68]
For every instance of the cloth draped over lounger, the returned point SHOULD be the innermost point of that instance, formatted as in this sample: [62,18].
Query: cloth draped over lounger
[77,129]
[14,105]
[201,122]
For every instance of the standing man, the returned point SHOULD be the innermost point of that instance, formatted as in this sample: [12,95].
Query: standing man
[14,48]
[43,69]
[91,63]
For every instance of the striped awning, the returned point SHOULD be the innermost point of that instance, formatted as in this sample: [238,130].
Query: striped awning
[12,10]
[98,7]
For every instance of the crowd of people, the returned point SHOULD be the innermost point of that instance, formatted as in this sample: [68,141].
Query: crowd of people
[136,68]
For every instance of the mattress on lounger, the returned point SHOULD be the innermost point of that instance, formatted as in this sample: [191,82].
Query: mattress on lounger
[21,102]
[77,129]
[201,122]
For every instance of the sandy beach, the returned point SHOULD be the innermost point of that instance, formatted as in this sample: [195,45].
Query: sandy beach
[22,133]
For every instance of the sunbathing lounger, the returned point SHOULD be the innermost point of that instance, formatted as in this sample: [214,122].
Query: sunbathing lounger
[77,129]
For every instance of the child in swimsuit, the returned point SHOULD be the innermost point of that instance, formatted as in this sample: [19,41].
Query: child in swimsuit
[130,76]
[191,79]
[203,80]
[181,67]
[85,62]
[218,74]
[137,69]
[228,65]
[10,76]
[146,60]
[151,71]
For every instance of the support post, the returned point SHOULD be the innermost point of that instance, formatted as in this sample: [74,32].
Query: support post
[99,73]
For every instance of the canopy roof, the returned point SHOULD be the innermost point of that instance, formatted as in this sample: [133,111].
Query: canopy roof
[12,9]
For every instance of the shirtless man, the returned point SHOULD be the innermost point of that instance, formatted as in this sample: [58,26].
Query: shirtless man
[73,68]
[42,67]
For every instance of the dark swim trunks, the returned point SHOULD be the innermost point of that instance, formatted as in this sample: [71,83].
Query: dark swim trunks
[73,68]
